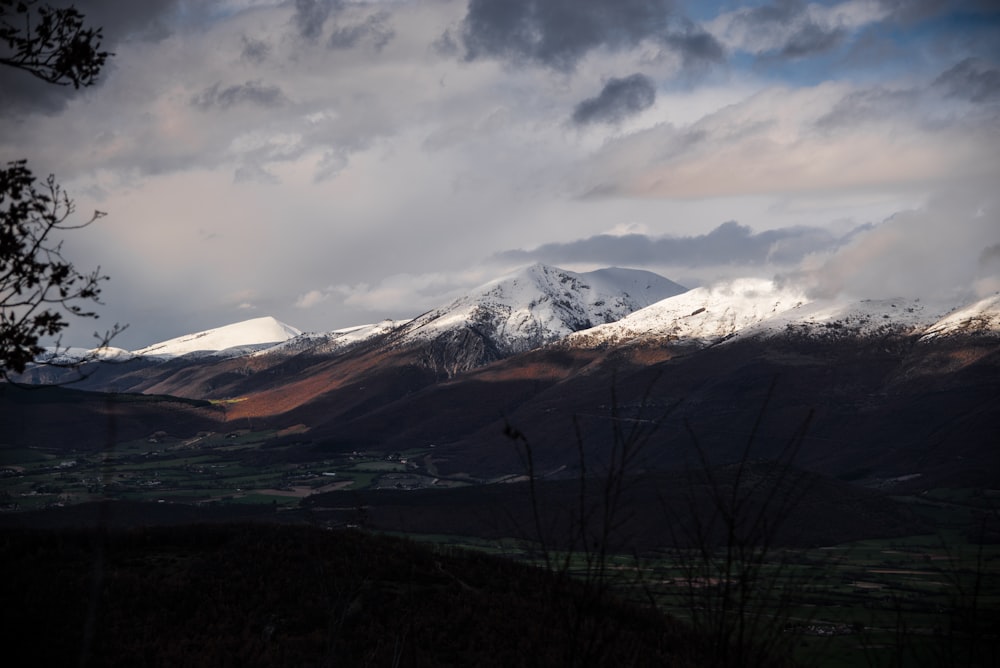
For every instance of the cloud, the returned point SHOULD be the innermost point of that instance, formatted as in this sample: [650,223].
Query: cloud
[972,79]
[867,106]
[253,173]
[312,298]
[319,166]
[916,10]
[990,257]
[559,33]
[811,39]
[696,47]
[24,94]
[252,92]
[147,21]
[151,20]
[255,51]
[792,29]
[409,294]
[833,138]
[935,251]
[619,99]
[375,28]
[729,243]
[310,15]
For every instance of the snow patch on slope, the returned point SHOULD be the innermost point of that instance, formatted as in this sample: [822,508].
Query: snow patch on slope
[351,335]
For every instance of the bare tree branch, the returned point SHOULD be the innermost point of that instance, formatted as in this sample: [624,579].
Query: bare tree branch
[50,44]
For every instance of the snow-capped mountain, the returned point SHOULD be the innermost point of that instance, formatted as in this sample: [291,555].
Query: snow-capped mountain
[252,334]
[534,307]
[763,308]
[527,309]
[905,372]
[702,315]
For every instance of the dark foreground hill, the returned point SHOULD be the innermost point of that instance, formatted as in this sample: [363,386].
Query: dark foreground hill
[266,595]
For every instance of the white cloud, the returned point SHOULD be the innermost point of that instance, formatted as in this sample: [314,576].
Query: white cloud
[623,229]
[311,298]
[773,27]
[782,141]
[412,293]
[931,252]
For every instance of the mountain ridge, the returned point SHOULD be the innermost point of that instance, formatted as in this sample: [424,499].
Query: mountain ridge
[542,305]
[895,388]
[526,309]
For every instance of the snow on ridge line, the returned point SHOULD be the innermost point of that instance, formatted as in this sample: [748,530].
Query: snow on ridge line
[703,314]
[76,355]
[332,341]
[979,316]
[838,318]
[760,308]
[256,331]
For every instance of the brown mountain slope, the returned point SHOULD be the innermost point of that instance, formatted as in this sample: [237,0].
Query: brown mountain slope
[62,418]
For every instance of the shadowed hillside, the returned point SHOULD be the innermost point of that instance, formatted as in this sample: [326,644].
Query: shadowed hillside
[297,596]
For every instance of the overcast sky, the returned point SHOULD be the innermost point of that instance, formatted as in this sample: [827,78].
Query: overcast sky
[334,163]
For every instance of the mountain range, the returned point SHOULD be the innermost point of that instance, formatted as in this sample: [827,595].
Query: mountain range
[876,391]
[542,304]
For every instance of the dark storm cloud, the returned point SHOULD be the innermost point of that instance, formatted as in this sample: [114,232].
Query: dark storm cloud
[619,99]
[557,33]
[916,10]
[150,20]
[968,13]
[375,28]
[973,80]
[25,94]
[252,92]
[729,243]
[696,46]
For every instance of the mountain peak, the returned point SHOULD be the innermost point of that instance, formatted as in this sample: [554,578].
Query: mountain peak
[253,332]
[533,306]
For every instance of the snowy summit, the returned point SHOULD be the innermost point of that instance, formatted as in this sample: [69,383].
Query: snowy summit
[256,332]
[541,303]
